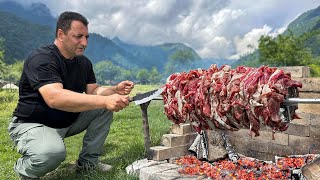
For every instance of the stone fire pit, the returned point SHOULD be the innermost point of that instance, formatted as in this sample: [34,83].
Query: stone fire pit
[301,138]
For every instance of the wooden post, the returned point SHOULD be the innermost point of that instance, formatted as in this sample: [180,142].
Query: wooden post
[147,142]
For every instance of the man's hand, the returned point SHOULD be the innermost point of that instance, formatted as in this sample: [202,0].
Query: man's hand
[115,102]
[124,87]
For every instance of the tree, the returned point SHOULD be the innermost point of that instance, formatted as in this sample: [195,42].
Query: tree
[155,76]
[14,71]
[179,61]
[143,76]
[283,51]
[3,67]
[108,73]
[105,72]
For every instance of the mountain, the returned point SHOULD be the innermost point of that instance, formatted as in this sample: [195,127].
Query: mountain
[306,27]
[29,27]
[37,13]
[306,22]
[154,56]
[20,36]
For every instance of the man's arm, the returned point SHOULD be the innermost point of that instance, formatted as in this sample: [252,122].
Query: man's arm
[98,90]
[58,98]
[123,88]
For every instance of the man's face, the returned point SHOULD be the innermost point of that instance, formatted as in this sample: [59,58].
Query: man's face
[76,40]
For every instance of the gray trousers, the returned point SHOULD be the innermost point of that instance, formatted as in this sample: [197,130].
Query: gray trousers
[43,149]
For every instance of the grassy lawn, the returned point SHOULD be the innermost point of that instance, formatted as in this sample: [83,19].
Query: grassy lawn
[123,146]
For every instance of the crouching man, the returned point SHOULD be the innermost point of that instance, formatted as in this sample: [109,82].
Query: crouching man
[58,98]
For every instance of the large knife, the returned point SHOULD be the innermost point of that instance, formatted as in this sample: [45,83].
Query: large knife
[147,96]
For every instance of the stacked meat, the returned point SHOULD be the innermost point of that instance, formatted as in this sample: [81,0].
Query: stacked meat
[227,98]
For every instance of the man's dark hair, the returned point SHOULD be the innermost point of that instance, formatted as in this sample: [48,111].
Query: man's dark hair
[65,19]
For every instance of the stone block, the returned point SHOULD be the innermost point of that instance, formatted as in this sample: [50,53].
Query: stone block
[298,130]
[315,119]
[265,128]
[281,150]
[305,145]
[260,155]
[173,174]
[302,145]
[310,108]
[270,148]
[244,146]
[265,136]
[313,146]
[309,84]
[170,174]
[300,150]
[182,129]
[303,115]
[297,71]
[304,119]
[163,153]
[193,178]
[242,133]
[148,173]
[171,140]
[240,144]
[280,138]
[315,131]
[134,168]
[216,148]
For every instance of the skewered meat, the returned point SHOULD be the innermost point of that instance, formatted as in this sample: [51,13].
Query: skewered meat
[227,98]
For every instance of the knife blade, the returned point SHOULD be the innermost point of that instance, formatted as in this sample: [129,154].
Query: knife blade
[147,96]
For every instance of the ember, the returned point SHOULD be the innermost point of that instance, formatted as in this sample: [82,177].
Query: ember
[294,161]
[246,168]
[228,98]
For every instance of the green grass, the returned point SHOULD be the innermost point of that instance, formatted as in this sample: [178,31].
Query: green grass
[124,145]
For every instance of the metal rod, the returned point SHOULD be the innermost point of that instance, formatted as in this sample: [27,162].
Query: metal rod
[287,101]
[290,101]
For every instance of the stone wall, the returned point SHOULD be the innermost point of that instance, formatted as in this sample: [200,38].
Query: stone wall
[302,137]
[174,144]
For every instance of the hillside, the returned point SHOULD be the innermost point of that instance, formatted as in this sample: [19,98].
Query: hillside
[306,22]
[37,13]
[21,36]
[305,27]
[154,56]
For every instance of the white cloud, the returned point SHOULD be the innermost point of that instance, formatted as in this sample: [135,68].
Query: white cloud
[214,28]
[249,42]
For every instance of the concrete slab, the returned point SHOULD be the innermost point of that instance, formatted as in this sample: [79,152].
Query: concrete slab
[134,168]
[148,173]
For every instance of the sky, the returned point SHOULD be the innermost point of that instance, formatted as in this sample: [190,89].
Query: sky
[219,29]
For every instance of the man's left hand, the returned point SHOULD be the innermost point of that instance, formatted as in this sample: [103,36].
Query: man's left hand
[124,87]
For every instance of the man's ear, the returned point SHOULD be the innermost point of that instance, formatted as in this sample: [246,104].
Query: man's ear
[60,35]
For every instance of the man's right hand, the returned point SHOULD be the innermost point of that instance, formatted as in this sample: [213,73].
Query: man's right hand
[116,102]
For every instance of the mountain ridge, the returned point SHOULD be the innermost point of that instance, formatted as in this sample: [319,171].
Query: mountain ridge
[306,27]
[39,23]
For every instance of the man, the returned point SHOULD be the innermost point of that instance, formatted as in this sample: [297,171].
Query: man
[58,98]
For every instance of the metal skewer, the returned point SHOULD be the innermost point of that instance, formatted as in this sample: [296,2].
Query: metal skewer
[291,101]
